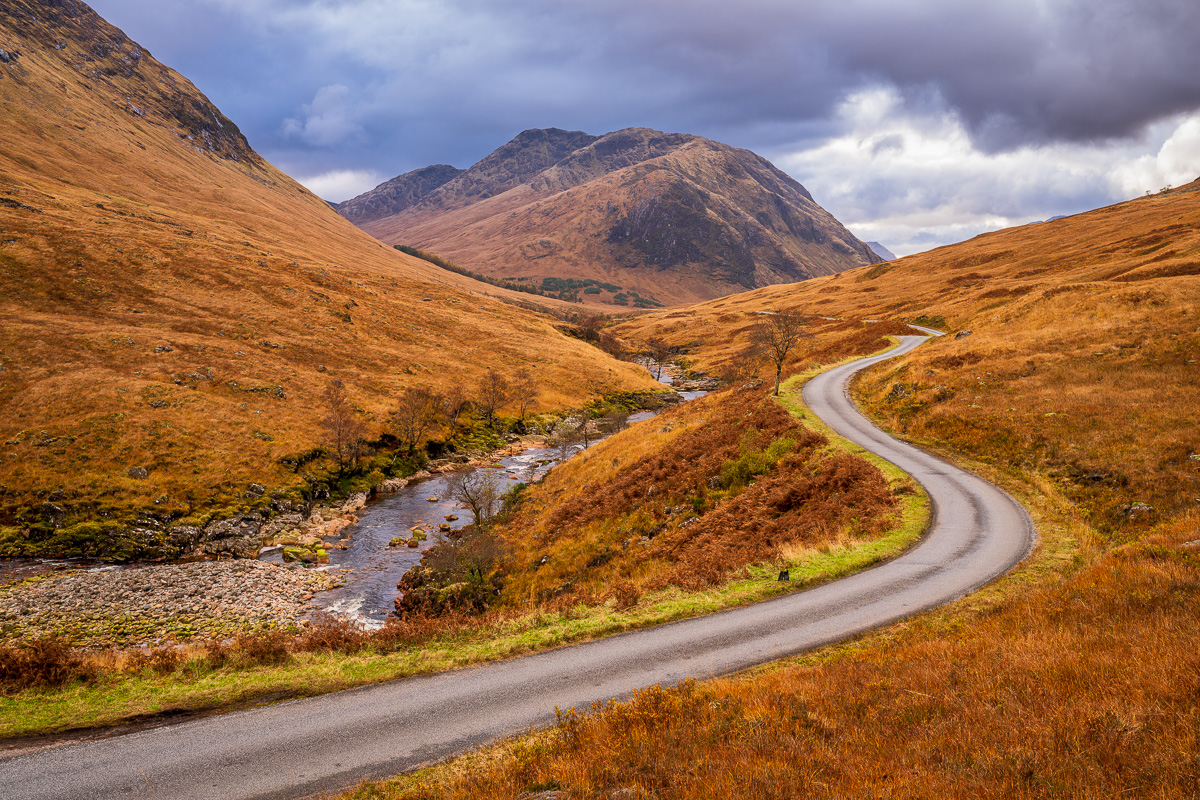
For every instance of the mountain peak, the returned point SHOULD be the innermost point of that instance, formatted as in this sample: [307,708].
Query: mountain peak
[636,215]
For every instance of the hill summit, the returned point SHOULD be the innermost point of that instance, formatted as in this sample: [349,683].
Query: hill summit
[634,217]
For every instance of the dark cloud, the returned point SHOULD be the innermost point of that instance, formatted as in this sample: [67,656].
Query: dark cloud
[384,86]
[1019,72]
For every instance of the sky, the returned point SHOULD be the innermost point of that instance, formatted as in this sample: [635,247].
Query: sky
[916,123]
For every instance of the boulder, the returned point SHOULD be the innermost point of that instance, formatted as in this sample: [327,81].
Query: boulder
[962,334]
[138,473]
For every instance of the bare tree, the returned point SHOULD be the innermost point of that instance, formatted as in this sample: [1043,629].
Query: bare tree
[775,335]
[524,391]
[612,345]
[343,429]
[617,419]
[656,352]
[418,411]
[493,394]
[589,326]
[454,402]
[479,491]
[565,442]
[583,432]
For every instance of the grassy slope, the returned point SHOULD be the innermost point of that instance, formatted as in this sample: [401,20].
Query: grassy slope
[1076,675]
[120,235]
[836,538]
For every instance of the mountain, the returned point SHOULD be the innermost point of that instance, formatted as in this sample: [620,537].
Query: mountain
[635,217]
[172,307]
[881,251]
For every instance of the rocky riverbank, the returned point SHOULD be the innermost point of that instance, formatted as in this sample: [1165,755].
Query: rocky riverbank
[159,603]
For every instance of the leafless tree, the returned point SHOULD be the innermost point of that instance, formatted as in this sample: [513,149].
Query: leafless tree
[342,427]
[612,345]
[656,352]
[565,441]
[418,411]
[524,391]
[617,419]
[454,402]
[775,335]
[479,491]
[589,327]
[493,393]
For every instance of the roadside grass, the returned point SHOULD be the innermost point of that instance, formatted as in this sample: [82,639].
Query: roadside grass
[196,686]
[1033,696]
[1074,675]
[202,682]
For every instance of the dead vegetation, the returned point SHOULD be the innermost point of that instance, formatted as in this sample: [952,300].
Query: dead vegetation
[1083,689]
[1074,372]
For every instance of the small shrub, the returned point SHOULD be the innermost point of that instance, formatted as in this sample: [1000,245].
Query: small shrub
[47,661]
[331,634]
[265,648]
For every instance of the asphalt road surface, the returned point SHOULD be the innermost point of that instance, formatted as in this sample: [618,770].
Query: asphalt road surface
[304,747]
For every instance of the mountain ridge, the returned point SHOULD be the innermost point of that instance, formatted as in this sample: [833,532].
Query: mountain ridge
[668,215]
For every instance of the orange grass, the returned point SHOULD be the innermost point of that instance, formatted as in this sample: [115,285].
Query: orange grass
[120,237]
[1081,364]
[1087,688]
[649,507]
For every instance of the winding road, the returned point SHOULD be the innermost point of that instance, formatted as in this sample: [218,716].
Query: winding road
[300,748]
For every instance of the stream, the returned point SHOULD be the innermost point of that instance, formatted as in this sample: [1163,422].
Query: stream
[369,593]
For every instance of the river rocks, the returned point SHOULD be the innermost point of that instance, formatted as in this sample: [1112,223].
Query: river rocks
[355,503]
[239,536]
[391,485]
[145,605]
[54,514]
[705,384]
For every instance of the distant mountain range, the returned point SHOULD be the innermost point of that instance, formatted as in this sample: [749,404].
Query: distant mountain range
[635,217]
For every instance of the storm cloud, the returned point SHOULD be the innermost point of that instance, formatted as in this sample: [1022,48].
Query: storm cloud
[923,121]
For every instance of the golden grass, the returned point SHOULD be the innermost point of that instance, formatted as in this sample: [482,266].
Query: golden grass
[649,507]
[1075,676]
[119,236]
[1081,365]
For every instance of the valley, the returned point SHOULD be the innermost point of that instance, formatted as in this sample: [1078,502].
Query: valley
[943,540]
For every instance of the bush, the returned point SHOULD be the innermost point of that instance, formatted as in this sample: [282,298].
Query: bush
[47,661]
[266,648]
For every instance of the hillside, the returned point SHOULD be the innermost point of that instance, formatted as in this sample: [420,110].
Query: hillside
[172,307]
[631,218]
[1070,377]
[1078,360]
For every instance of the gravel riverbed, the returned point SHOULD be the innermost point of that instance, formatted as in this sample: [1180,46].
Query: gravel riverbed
[160,603]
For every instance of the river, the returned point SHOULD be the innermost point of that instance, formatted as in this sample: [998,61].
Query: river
[369,593]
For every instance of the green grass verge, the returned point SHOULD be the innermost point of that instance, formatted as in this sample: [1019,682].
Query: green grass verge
[196,687]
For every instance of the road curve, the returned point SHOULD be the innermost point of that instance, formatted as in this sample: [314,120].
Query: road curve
[303,747]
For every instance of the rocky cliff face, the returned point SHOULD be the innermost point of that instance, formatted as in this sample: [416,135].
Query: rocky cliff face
[666,217]
[138,84]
